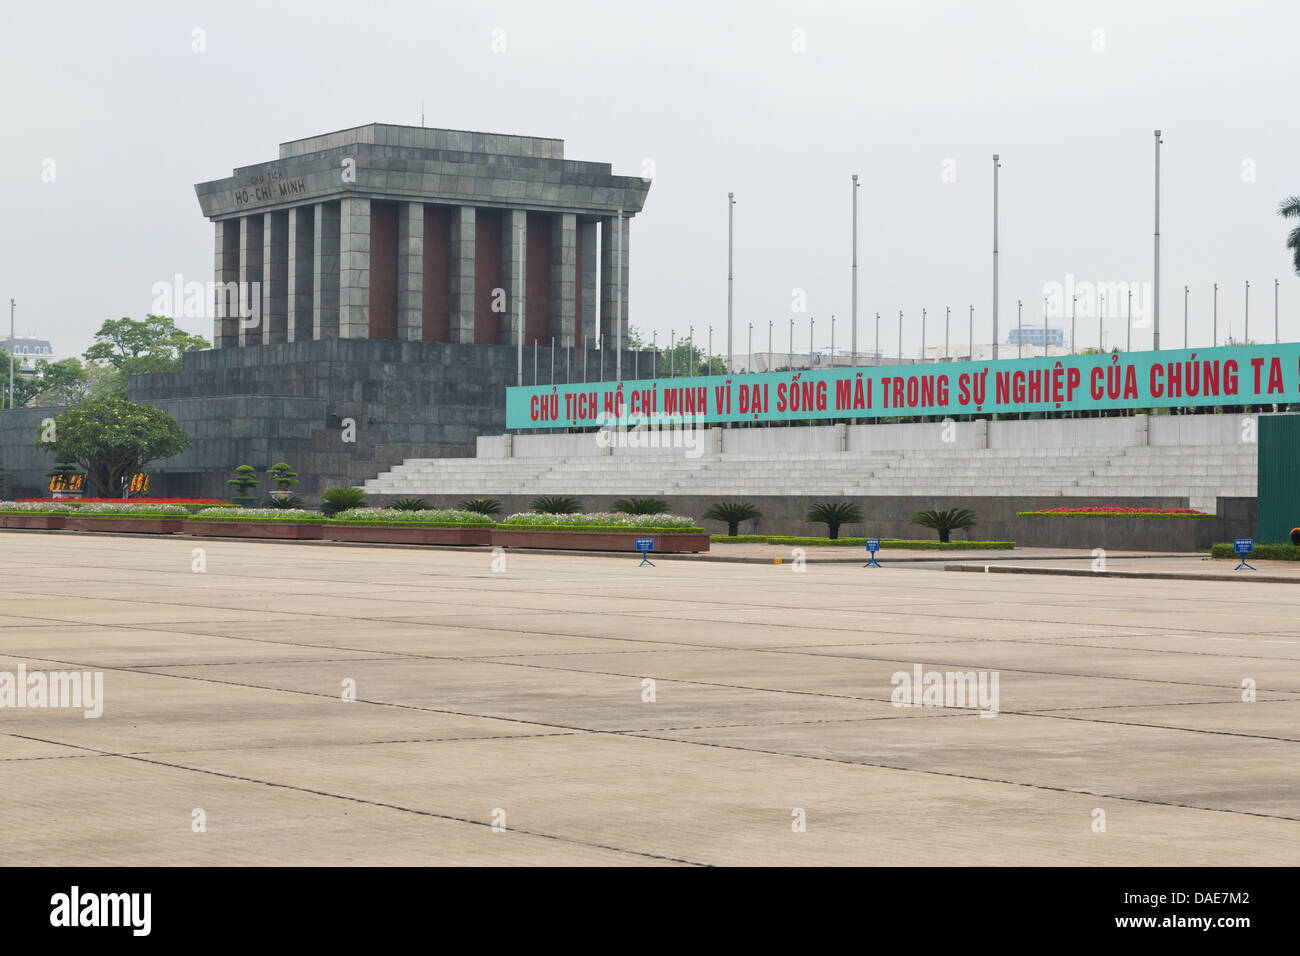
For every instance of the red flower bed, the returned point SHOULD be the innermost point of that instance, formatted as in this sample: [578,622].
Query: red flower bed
[1118,510]
[207,502]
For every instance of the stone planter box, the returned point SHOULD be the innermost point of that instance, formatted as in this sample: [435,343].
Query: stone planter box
[36,522]
[292,530]
[666,543]
[125,525]
[390,534]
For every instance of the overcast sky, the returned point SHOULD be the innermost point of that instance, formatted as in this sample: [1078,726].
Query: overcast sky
[778,102]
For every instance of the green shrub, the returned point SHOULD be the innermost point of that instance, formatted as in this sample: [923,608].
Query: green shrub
[945,522]
[732,513]
[483,506]
[410,504]
[334,500]
[555,505]
[640,506]
[245,478]
[833,514]
[1265,552]
[282,475]
[293,501]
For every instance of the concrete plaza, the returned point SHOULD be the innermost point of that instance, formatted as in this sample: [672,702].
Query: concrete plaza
[521,697]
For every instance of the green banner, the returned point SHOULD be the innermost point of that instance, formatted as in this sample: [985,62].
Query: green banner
[1228,375]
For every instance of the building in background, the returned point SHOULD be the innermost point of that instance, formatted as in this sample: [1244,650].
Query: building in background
[27,350]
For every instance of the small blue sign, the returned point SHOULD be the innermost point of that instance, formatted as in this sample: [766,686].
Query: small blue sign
[873,545]
[1243,545]
[645,546]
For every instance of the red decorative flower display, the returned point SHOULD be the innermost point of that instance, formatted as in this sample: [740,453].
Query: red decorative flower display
[131,501]
[1119,510]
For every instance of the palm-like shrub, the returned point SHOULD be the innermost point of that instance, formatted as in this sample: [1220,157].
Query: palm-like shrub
[1289,208]
[410,504]
[482,506]
[733,513]
[334,500]
[945,522]
[556,505]
[292,502]
[833,514]
[245,478]
[639,506]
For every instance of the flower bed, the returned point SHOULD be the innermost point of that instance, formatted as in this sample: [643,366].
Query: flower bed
[576,538]
[890,544]
[103,508]
[600,521]
[75,502]
[1106,510]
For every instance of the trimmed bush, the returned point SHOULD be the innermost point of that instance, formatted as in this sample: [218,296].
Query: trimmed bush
[441,518]
[732,513]
[245,478]
[945,522]
[334,500]
[482,506]
[599,521]
[555,505]
[1265,552]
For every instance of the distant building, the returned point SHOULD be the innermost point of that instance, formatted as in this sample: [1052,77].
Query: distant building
[27,349]
[1034,335]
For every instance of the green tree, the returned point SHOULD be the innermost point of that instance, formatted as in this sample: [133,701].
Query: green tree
[945,522]
[134,347]
[112,440]
[25,388]
[60,383]
[833,514]
[1289,208]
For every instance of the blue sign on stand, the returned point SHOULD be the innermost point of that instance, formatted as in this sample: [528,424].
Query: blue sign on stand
[644,546]
[1243,547]
[873,545]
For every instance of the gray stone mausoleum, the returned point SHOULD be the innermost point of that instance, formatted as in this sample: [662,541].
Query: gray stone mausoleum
[421,235]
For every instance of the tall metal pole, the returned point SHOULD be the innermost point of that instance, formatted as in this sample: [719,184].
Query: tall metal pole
[1101,322]
[1044,326]
[832,340]
[1214,329]
[709,361]
[769,343]
[1245,333]
[519,304]
[749,361]
[11,352]
[923,335]
[996,166]
[811,322]
[947,327]
[790,357]
[1020,331]
[618,300]
[654,354]
[672,353]
[1074,315]
[854,360]
[970,334]
[731,274]
[877,348]
[1155,296]
[900,336]
[1186,290]
[690,349]
[1276,340]
[1128,310]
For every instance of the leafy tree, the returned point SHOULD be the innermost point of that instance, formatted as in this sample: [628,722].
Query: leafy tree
[60,383]
[640,506]
[112,440]
[733,513]
[282,475]
[25,388]
[1289,208]
[833,514]
[245,478]
[945,522]
[134,347]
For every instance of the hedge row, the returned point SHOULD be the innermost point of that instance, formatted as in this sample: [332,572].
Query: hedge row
[893,544]
[1265,552]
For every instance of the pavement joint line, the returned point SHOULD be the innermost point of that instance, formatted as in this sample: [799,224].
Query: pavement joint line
[325,744]
[1254,578]
[978,779]
[378,803]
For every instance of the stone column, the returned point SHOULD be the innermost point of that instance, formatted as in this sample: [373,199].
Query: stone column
[462,274]
[608,277]
[354,268]
[275,277]
[588,280]
[250,280]
[325,271]
[514,273]
[225,322]
[302,279]
[410,271]
[564,277]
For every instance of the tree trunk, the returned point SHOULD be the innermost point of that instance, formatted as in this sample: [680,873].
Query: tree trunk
[834,531]
[732,528]
[944,535]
